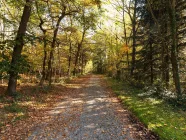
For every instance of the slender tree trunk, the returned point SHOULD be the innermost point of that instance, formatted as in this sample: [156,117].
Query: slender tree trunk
[44,60]
[133,51]
[82,63]
[125,33]
[151,62]
[59,62]
[52,49]
[167,76]
[43,76]
[3,39]
[19,42]
[165,64]
[151,53]
[134,39]
[69,59]
[78,53]
[164,50]
[70,50]
[174,60]
[76,59]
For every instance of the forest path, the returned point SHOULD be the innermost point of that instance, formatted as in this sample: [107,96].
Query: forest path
[86,109]
[87,114]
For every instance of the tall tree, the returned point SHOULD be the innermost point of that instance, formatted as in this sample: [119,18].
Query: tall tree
[19,43]
[174,46]
[134,24]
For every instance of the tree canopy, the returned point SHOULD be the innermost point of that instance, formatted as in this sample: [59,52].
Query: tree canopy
[140,41]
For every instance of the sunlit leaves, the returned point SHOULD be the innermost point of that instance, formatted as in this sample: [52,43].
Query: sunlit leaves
[124,48]
[90,2]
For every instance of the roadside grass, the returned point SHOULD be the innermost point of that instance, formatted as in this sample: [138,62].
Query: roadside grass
[162,118]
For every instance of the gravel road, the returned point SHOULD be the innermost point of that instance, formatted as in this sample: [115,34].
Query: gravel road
[89,113]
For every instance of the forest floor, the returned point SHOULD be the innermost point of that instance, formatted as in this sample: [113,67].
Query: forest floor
[165,118]
[84,108]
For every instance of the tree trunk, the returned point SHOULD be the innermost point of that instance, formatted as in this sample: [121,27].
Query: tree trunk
[78,52]
[2,40]
[76,59]
[167,76]
[164,50]
[59,61]
[82,63]
[52,49]
[165,63]
[134,39]
[69,59]
[44,61]
[43,76]
[19,42]
[125,33]
[151,61]
[174,60]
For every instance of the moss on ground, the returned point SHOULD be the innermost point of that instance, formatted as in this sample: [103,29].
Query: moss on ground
[165,120]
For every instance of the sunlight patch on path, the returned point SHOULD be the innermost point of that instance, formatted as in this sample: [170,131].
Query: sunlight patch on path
[87,114]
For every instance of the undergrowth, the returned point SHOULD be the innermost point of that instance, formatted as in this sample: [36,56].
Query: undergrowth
[168,121]
[14,108]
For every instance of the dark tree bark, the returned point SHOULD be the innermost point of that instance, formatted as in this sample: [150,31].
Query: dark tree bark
[78,53]
[77,58]
[44,61]
[19,43]
[174,60]
[59,62]
[53,47]
[82,62]
[165,56]
[69,59]
[151,61]
[134,39]
[165,64]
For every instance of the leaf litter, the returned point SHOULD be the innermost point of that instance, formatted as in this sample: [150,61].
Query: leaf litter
[76,110]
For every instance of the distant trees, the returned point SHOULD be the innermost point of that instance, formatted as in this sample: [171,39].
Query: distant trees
[46,32]
[144,44]
[154,31]
[88,21]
